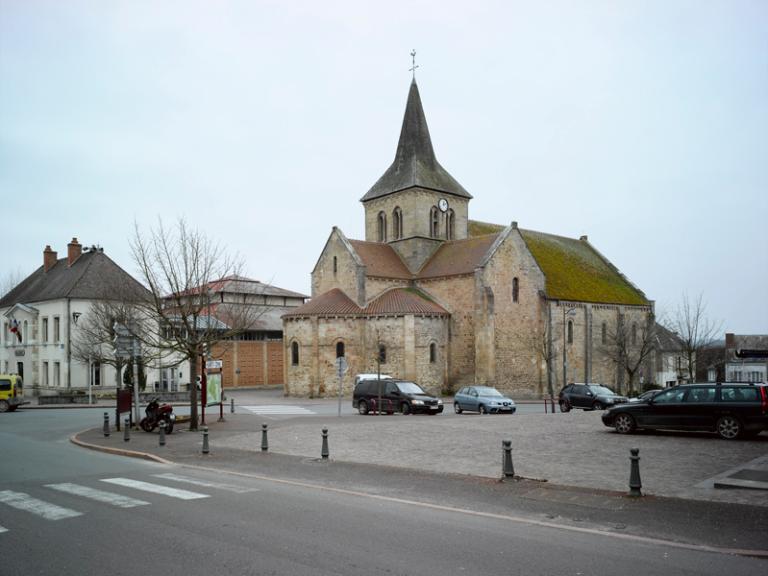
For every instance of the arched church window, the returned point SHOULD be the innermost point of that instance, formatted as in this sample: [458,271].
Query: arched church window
[515,289]
[397,223]
[339,349]
[432,353]
[634,334]
[434,222]
[450,226]
[382,354]
[335,265]
[604,333]
[295,353]
[570,331]
[382,220]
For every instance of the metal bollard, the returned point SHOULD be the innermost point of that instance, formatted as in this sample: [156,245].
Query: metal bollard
[162,433]
[106,424]
[324,451]
[205,440]
[507,466]
[231,405]
[634,473]
[264,443]
[127,430]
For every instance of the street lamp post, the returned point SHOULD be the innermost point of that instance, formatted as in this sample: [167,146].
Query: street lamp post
[566,312]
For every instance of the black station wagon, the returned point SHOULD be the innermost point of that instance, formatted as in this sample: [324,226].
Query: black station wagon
[730,409]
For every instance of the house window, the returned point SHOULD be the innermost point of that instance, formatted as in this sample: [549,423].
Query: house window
[432,353]
[397,223]
[57,374]
[46,382]
[45,330]
[515,290]
[56,329]
[294,353]
[96,366]
[434,222]
[450,219]
[339,349]
[570,331]
[26,331]
[382,221]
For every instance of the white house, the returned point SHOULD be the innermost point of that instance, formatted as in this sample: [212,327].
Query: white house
[40,319]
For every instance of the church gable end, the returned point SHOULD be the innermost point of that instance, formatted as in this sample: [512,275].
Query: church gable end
[339,266]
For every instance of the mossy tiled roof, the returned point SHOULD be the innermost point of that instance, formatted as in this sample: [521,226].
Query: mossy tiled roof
[573,268]
[575,271]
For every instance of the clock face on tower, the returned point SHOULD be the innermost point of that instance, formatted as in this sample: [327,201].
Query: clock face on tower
[443,205]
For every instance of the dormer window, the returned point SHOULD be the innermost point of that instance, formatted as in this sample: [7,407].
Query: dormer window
[382,223]
[397,223]
[434,222]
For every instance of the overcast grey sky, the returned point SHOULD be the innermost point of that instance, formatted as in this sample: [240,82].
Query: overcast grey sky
[641,124]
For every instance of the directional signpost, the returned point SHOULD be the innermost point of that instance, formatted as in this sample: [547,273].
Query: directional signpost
[341,369]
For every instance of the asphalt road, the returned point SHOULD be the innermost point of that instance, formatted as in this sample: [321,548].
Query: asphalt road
[245,524]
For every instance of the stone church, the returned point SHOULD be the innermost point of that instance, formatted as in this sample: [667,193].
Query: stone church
[445,301]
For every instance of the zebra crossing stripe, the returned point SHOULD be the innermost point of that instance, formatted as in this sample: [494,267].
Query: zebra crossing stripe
[25,502]
[219,485]
[155,488]
[99,495]
[3,529]
[277,409]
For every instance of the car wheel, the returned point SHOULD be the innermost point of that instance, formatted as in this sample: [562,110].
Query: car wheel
[457,408]
[405,408]
[565,406]
[728,427]
[482,409]
[624,424]
[362,407]
[4,406]
[597,405]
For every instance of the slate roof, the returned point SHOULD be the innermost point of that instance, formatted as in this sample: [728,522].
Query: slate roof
[93,275]
[396,301]
[664,339]
[380,260]
[415,163]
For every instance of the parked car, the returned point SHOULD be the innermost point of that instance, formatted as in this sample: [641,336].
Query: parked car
[588,397]
[396,396]
[730,409]
[482,399]
[645,396]
[360,377]
[11,392]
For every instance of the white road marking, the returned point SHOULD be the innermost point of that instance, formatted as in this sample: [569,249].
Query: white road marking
[99,495]
[25,502]
[220,485]
[277,409]
[155,488]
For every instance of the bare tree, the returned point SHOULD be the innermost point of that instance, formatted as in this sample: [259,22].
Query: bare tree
[629,346]
[10,280]
[181,267]
[543,344]
[695,330]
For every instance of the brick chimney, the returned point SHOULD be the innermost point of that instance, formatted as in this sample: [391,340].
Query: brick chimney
[74,250]
[49,259]
[730,341]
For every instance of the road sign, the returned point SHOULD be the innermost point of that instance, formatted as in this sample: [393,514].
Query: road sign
[214,364]
[341,366]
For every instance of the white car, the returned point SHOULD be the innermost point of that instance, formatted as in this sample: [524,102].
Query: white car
[361,377]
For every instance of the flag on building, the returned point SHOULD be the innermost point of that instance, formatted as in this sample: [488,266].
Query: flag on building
[15,328]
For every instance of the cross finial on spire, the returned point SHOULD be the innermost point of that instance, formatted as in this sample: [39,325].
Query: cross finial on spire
[413,63]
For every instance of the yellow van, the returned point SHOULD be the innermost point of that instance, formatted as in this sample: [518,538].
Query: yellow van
[11,392]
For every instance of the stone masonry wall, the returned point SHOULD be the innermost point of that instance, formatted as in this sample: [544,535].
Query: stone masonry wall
[347,272]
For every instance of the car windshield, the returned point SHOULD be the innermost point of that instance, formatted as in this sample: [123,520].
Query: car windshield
[488,391]
[410,388]
[601,390]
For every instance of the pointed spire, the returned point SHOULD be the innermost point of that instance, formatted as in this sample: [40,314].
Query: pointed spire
[415,162]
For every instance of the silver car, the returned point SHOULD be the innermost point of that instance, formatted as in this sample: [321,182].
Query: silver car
[482,399]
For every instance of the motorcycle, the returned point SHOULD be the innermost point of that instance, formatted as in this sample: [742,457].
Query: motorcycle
[157,413]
